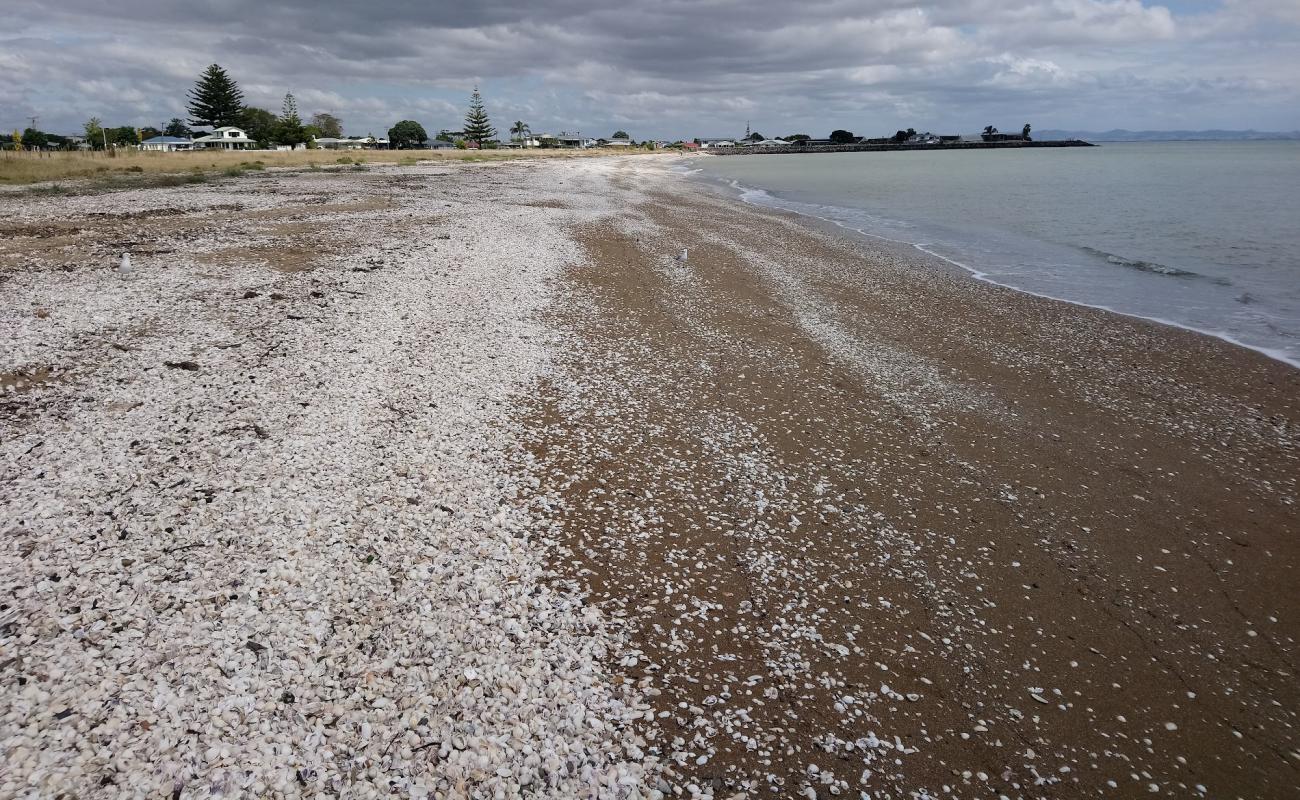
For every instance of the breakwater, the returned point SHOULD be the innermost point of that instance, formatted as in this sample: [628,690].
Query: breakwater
[871,148]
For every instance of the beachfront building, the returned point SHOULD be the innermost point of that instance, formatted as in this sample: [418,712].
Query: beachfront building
[167,144]
[351,143]
[574,141]
[226,138]
[337,143]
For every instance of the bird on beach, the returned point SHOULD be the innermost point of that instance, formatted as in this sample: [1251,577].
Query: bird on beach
[124,268]
[682,255]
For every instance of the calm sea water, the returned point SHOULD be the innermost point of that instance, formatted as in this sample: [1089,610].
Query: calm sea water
[1201,235]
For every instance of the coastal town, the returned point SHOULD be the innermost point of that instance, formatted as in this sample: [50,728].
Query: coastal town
[220,120]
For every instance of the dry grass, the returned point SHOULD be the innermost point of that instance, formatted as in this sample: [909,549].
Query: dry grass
[27,168]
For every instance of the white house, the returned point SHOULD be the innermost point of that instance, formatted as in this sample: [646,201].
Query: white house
[334,143]
[167,144]
[574,140]
[226,138]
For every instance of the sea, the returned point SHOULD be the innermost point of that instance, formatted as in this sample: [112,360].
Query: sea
[1201,235]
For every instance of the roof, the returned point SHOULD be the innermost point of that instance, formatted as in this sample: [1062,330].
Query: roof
[167,140]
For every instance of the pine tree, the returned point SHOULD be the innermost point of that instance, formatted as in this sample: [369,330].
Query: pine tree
[215,99]
[289,130]
[289,110]
[477,126]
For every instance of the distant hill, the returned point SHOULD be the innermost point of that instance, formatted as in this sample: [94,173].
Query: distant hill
[1121,135]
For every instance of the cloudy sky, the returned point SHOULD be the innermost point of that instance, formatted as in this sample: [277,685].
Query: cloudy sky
[669,68]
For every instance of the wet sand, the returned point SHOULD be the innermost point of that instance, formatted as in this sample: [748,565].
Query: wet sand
[876,527]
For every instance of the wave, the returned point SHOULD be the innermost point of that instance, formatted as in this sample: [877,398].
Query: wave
[761,197]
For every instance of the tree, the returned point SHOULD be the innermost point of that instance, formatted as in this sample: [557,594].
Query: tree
[1025,131]
[478,127]
[94,130]
[520,130]
[445,135]
[34,138]
[259,124]
[841,136]
[123,136]
[215,99]
[328,125]
[620,135]
[177,127]
[148,133]
[756,137]
[288,129]
[17,139]
[989,130]
[797,137]
[903,136]
[407,133]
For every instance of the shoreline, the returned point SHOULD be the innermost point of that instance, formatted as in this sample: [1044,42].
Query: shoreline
[886,529]
[531,505]
[713,183]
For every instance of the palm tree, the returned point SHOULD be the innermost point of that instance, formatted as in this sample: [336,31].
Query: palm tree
[519,130]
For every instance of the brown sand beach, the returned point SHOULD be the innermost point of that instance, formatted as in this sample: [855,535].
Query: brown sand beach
[458,481]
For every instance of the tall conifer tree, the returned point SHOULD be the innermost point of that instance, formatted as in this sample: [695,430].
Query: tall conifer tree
[478,128]
[215,99]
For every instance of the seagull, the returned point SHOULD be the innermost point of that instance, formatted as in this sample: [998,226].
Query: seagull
[682,255]
[124,268]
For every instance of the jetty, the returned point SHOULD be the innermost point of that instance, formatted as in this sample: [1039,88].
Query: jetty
[768,150]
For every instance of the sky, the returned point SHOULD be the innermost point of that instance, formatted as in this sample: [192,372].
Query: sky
[668,68]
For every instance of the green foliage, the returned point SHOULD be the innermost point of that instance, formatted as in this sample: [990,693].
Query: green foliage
[460,145]
[34,138]
[1025,131]
[215,99]
[177,127]
[94,130]
[288,129]
[756,137]
[478,128]
[841,136]
[123,136]
[327,125]
[903,136]
[259,124]
[620,135]
[797,137]
[520,130]
[149,133]
[406,134]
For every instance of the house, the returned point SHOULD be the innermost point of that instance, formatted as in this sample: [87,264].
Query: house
[705,144]
[337,143]
[614,142]
[439,144]
[227,137]
[690,146]
[167,144]
[575,141]
[770,143]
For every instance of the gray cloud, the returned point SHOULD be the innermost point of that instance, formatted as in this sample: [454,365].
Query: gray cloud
[672,68]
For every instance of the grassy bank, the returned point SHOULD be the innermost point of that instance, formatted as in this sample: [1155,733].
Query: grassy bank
[17,169]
